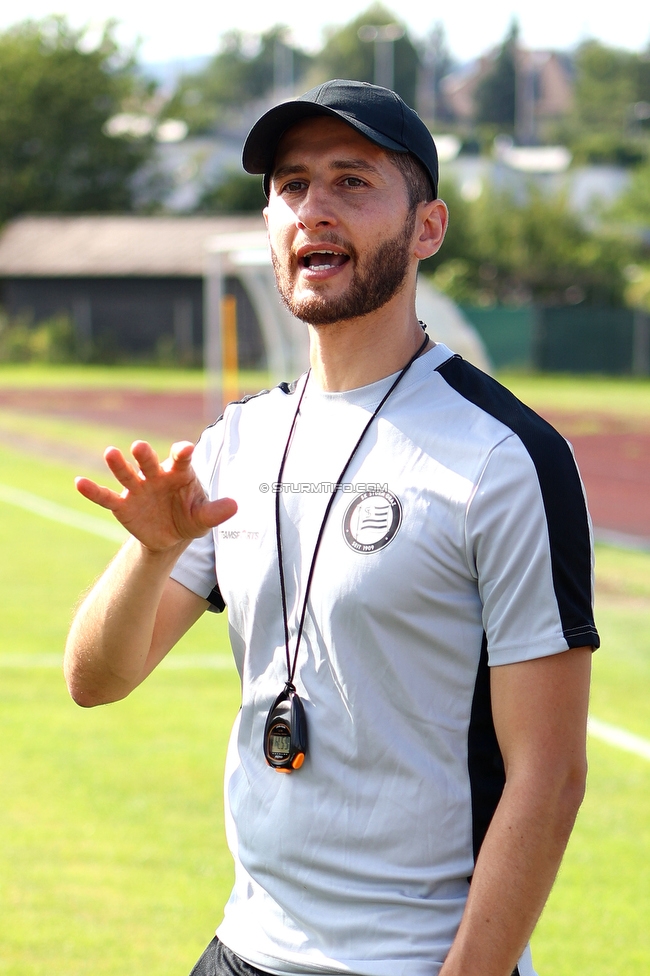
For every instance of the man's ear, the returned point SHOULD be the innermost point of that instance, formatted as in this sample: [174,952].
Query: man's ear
[265,214]
[432,220]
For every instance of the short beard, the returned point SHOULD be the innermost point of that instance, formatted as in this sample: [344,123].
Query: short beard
[374,283]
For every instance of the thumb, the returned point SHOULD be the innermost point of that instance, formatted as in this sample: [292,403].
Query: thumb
[216,512]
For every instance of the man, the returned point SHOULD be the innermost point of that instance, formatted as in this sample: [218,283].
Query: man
[420,598]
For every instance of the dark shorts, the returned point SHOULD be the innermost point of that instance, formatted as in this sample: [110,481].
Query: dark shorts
[217,960]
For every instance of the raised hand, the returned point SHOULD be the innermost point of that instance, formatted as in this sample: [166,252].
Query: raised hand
[162,505]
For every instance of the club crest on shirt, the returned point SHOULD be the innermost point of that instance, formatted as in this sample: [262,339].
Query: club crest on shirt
[371,520]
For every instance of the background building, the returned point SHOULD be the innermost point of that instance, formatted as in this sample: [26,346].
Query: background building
[132,286]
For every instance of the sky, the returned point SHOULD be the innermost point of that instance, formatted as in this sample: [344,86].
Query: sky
[182,31]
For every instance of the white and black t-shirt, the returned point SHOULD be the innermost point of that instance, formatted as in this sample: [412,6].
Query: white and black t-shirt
[460,541]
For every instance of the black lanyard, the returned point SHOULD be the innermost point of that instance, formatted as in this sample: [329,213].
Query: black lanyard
[291,665]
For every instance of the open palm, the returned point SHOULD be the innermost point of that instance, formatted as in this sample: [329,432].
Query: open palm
[162,504]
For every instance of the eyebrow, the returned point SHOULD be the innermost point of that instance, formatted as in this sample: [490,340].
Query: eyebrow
[337,164]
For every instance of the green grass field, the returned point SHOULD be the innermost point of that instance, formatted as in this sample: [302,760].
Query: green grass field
[153,378]
[112,858]
[615,395]
[621,396]
[112,855]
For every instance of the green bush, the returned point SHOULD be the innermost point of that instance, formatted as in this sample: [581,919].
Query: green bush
[634,206]
[607,148]
[51,341]
[539,251]
[637,293]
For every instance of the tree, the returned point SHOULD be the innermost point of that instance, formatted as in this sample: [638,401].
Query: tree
[643,84]
[459,241]
[236,192]
[436,62]
[611,119]
[637,293]
[539,252]
[495,94]
[55,98]
[236,75]
[606,87]
[346,56]
[633,207]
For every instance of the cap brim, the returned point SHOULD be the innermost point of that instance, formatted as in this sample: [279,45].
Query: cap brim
[261,145]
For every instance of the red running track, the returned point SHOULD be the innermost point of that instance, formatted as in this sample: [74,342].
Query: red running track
[614,459]
[613,453]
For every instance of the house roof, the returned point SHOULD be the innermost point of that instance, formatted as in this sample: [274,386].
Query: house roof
[112,246]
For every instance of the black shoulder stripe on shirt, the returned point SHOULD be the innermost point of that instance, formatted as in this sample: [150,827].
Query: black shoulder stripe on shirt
[288,388]
[244,399]
[564,502]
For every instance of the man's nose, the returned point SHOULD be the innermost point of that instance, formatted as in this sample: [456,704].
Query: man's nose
[316,209]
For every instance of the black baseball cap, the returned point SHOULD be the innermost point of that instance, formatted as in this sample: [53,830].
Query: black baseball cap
[377,113]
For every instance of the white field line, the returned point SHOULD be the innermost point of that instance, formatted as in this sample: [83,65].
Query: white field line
[89,523]
[619,738]
[180,662]
[613,736]
[60,513]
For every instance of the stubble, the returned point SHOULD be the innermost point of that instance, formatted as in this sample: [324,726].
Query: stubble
[376,279]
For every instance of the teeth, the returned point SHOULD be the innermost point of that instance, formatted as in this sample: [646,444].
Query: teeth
[318,267]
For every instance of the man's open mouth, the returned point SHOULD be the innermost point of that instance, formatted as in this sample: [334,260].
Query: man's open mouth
[323,260]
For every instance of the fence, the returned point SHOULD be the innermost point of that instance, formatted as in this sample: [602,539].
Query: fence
[567,339]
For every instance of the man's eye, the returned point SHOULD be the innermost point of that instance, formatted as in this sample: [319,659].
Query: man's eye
[353,181]
[293,186]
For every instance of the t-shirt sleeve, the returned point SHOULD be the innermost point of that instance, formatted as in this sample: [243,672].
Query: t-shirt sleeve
[195,568]
[528,540]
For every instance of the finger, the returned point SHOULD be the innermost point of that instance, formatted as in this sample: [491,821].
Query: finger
[97,493]
[114,453]
[214,513]
[180,457]
[180,453]
[121,469]
[147,458]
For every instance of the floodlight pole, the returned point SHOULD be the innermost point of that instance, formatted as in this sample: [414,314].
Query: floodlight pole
[383,36]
